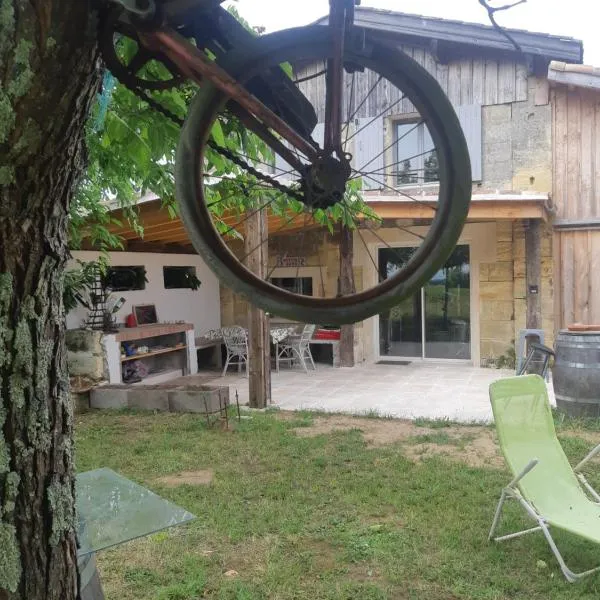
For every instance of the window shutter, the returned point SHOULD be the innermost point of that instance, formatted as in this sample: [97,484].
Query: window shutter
[469,116]
[368,144]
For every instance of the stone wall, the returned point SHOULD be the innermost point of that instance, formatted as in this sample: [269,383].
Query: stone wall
[503,300]
[496,297]
[517,142]
[546,283]
[85,355]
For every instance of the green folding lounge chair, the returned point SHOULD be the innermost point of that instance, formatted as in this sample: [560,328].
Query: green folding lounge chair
[552,493]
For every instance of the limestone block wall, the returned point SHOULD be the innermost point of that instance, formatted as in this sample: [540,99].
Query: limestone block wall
[85,354]
[547,287]
[496,297]
[517,142]
[503,300]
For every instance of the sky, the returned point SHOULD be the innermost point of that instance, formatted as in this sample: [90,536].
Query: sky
[572,18]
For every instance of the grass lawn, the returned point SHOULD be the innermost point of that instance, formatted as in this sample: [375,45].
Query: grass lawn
[297,509]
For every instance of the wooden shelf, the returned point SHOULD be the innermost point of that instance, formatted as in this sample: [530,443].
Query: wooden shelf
[153,353]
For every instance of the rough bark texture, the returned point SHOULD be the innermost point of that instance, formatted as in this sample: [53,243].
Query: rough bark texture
[48,77]
[346,287]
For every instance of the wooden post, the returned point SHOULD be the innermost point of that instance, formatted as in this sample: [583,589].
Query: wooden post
[533,274]
[259,339]
[346,286]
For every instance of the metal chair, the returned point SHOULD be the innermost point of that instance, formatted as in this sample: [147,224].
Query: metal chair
[236,343]
[522,345]
[296,348]
[537,361]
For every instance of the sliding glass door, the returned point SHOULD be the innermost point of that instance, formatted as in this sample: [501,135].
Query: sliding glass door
[435,322]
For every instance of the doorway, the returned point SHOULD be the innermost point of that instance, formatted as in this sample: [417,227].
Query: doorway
[434,323]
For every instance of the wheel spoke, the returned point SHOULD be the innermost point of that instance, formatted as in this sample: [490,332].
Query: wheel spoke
[362,239]
[281,228]
[248,216]
[394,142]
[397,191]
[365,98]
[376,117]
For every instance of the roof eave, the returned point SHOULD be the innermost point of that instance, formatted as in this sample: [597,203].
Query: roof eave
[469,34]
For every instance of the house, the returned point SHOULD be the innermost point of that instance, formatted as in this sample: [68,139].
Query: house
[503,269]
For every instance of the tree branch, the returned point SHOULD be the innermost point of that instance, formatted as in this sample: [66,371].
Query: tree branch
[492,10]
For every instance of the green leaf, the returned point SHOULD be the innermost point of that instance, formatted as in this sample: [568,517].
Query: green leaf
[217,133]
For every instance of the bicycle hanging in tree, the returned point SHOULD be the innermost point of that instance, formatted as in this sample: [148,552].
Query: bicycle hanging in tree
[309,95]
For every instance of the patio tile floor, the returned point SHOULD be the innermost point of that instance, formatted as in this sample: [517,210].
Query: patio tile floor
[426,390]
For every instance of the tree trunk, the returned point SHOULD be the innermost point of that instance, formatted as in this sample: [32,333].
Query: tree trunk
[48,78]
[346,287]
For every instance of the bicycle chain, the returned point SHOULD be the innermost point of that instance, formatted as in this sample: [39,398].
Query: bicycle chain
[225,152]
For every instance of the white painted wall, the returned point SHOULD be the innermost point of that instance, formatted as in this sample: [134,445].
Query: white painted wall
[200,307]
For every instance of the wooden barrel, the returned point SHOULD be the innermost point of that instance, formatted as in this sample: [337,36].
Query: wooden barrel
[576,373]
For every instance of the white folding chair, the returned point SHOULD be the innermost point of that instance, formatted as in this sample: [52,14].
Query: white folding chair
[296,348]
[236,344]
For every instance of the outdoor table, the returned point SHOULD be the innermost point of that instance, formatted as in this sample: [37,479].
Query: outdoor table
[113,510]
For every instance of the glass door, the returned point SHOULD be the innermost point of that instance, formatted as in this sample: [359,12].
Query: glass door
[400,330]
[447,299]
[435,322]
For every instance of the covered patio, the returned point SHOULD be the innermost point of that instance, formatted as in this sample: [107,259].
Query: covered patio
[416,390]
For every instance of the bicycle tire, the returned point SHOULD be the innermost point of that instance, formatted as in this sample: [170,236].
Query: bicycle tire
[453,201]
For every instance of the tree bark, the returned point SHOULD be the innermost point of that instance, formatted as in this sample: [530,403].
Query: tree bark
[346,286]
[48,79]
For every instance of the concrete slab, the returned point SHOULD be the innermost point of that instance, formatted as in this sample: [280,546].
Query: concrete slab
[108,397]
[198,399]
[418,390]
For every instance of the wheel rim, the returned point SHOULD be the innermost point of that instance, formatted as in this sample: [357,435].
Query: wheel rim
[454,188]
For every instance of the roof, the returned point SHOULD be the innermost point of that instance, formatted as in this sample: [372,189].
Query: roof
[165,233]
[584,76]
[552,47]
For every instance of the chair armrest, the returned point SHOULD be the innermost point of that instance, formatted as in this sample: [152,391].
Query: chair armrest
[530,465]
[587,458]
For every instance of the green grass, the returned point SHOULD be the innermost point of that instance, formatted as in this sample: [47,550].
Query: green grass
[315,518]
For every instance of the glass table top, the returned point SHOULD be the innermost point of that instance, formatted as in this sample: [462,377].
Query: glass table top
[112,510]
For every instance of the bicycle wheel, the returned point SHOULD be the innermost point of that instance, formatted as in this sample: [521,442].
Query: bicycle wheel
[379,83]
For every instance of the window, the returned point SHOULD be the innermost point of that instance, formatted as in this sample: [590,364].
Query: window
[176,278]
[296,285]
[124,279]
[416,159]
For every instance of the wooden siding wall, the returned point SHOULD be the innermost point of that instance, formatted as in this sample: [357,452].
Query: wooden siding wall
[475,86]
[576,196]
[473,81]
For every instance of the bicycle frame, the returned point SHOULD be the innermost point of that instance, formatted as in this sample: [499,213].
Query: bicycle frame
[195,65]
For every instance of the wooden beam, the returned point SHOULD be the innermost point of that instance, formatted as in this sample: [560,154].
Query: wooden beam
[533,274]
[346,286]
[259,338]
[490,210]
[159,247]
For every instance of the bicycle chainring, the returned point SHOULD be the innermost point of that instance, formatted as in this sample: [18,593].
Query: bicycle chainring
[116,25]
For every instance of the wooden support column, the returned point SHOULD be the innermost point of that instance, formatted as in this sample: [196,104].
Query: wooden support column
[533,274]
[259,339]
[346,286]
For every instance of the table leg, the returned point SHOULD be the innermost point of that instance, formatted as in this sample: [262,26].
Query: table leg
[91,586]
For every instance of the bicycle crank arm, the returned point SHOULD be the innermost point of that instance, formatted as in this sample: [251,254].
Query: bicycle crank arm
[198,67]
